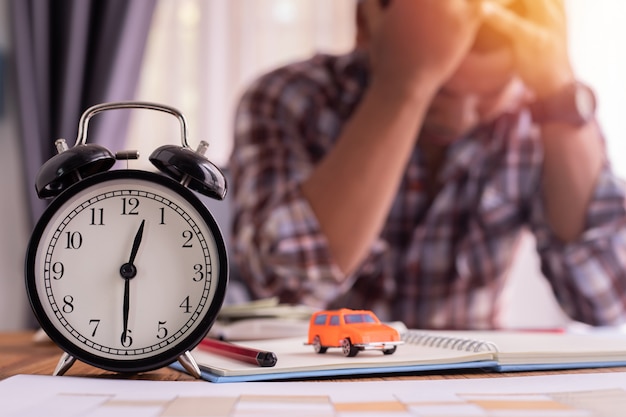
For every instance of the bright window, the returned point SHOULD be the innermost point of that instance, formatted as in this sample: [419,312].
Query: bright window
[202,53]
[597,31]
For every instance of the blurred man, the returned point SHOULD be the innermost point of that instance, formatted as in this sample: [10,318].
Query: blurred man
[399,177]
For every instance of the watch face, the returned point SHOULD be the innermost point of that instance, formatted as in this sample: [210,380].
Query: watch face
[126,270]
[585,102]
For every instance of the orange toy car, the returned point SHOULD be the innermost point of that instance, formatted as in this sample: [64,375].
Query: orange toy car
[352,331]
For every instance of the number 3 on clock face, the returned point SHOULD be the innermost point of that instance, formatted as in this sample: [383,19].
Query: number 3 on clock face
[127,270]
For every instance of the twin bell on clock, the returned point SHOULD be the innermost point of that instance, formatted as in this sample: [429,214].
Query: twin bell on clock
[127,269]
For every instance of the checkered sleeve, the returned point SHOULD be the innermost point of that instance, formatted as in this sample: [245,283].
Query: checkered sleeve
[278,245]
[589,275]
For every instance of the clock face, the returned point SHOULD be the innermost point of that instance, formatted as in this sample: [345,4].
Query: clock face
[126,270]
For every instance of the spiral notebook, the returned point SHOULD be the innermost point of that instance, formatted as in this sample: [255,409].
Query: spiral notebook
[431,351]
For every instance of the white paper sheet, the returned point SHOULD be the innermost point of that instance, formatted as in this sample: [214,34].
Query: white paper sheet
[567,395]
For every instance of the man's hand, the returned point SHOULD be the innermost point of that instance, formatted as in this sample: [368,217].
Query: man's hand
[419,43]
[539,41]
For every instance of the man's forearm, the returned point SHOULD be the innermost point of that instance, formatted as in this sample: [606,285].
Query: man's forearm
[352,189]
[572,162]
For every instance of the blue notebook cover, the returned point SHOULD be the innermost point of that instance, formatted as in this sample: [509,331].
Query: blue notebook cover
[424,351]
[208,375]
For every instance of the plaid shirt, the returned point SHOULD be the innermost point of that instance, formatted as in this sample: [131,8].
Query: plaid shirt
[438,264]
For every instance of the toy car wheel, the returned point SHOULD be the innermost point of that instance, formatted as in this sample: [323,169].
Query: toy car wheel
[317,345]
[389,351]
[348,348]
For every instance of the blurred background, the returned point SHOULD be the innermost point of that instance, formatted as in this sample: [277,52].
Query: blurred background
[197,56]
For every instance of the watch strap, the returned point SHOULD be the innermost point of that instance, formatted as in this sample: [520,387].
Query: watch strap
[564,106]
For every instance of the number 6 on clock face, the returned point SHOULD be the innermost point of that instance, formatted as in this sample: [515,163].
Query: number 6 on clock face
[127,270]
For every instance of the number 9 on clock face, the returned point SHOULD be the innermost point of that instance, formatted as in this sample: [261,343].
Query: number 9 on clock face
[126,270]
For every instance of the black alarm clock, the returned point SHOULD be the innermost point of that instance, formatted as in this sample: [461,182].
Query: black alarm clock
[127,269]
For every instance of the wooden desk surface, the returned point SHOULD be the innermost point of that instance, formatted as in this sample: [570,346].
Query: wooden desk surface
[20,354]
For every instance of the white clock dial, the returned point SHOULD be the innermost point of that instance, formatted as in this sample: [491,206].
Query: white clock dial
[127,268]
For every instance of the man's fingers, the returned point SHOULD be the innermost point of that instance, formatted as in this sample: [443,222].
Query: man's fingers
[544,12]
[508,23]
[555,10]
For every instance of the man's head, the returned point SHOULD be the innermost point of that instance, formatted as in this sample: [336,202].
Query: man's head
[483,85]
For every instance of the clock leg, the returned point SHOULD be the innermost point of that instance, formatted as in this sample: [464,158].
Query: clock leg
[190,365]
[64,364]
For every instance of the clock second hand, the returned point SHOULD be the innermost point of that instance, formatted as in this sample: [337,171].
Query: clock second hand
[128,271]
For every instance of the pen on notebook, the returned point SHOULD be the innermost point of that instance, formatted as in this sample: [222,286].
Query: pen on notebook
[536,329]
[244,354]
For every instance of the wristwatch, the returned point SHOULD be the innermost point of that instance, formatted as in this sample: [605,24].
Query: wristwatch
[574,104]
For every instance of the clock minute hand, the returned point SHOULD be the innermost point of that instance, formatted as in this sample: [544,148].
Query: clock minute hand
[125,308]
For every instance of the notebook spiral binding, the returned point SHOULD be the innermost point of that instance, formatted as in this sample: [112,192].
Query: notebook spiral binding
[448,342]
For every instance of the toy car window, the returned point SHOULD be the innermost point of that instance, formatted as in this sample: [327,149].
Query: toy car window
[334,320]
[321,319]
[358,318]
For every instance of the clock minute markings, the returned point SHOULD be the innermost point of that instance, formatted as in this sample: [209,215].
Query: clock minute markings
[128,271]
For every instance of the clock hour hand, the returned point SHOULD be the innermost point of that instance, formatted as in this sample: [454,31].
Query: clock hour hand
[136,243]
[129,271]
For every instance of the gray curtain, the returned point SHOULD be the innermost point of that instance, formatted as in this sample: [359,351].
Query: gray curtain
[70,55]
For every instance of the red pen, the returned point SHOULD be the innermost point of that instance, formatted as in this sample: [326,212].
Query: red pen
[244,354]
[537,329]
